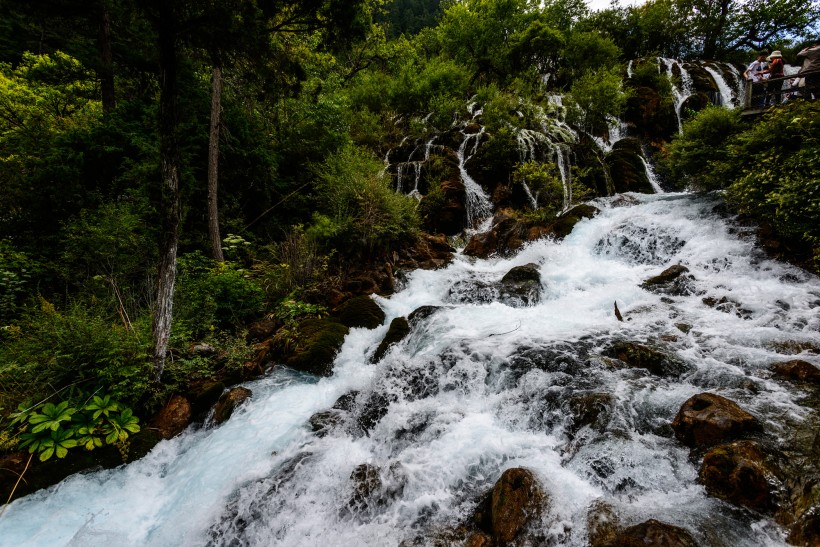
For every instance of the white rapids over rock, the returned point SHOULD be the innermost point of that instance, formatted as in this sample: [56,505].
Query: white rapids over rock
[474,390]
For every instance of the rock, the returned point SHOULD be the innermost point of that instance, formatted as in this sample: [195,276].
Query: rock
[670,281]
[360,311]
[173,418]
[804,529]
[230,401]
[506,236]
[421,313]
[707,419]
[793,347]
[627,168]
[323,422]
[317,344]
[521,285]
[479,539]
[651,115]
[399,329]
[654,533]
[202,349]
[204,396]
[442,211]
[590,409]
[374,487]
[262,330]
[562,227]
[429,252]
[602,524]
[516,498]
[255,366]
[642,356]
[472,291]
[742,473]
[802,371]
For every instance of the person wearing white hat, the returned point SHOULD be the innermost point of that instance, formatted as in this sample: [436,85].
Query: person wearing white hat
[775,70]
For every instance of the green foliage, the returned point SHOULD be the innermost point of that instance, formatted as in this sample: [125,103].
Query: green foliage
[76,349]
[18,273]
[700,156]
[57,428]
[595,98]
[543,181]
[587,52]
[358,206]
[212,295]
[291,311]
[646,74]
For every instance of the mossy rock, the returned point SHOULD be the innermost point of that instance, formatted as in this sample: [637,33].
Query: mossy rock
[642,356]
[562,227]
[318,342]
[399,329]
[360,311]
[626,167]
[653,116]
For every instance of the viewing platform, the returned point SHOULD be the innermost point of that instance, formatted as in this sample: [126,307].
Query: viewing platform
[761,96]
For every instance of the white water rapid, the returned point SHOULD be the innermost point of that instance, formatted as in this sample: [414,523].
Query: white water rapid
[476,201]
[681,93]
[479,387]
[727,99]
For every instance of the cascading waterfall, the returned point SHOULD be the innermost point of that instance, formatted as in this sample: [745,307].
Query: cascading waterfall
[650,173]
[475,389]
[629,69]
[726,95]
[476,201]
[680,94]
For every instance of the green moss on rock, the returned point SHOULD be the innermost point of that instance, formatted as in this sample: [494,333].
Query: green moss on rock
[399,328]
[360,311]
[317,344]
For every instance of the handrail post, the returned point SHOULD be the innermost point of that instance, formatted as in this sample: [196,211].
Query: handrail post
[747,96]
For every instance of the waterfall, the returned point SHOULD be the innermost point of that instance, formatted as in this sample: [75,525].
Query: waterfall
[650,174]
[533,199]
[740,82]
[477,388]
[565,173]
[629,69]
[681,93]
[476,201]
[726,97]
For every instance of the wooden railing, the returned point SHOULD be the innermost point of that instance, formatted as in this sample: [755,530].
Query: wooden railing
[759,96]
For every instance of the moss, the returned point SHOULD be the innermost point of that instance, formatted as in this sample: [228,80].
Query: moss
[399,328]
[627,169]
[318,342]
[566,222]
[360,311]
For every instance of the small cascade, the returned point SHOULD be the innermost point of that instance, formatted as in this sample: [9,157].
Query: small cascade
[629,69]
[616,131]
[739,82]
[533,199]
[726,95]
[685,90]
[476,202]
[563,163]
[650,172]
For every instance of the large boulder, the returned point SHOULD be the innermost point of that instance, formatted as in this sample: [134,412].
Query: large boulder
[514,501]
[707,419]
[565,223]
[603,524]
[593,410]
[521,285]
[627,168]
[671,281]
[316,346]
[638,355]
[799,370]
[654,533]
[230,401]
[506,236]
[360,311]
[742,473]
[399,329]
[173,418]
[421,313]
[325,421]
[442,210]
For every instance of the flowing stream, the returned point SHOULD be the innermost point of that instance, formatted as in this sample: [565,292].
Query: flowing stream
[478,387]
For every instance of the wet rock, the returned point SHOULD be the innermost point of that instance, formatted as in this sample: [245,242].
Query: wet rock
[670,281]
[173,418]
[479,539]
[204,396]
[627,168]
[429,252]
[442,211]
[421,313]
[230,401]
[799,370]
[506,236]
[472,291]
[590,409]
[373,488]
[255,366]
[399,329]
[793,347]
[654,533]
[642,356]
[651,115]
[562,227]
[742,473]
[317,344]
[360,311]
[515,500]
[707,419]
[323,422]
[726,305]
[804,520]
[602,524]
[521,285]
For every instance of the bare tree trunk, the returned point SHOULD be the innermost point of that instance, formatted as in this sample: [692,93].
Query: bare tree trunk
[107,59]
[213,164]
[170,205]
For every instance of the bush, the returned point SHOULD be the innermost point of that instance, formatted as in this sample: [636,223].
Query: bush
[700,156]
[595,98]
[359,209]
[544,183]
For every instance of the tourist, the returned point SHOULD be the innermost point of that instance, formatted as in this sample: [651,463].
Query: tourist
[811,64]
[775,70]
[755,73]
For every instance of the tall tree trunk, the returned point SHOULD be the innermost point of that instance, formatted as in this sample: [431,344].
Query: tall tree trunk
[170,204]
[106,73]
[213,164]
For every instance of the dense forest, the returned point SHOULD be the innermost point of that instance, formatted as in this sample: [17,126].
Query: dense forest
[193,191]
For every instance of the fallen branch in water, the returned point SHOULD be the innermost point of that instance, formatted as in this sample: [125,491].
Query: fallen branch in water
[508,332]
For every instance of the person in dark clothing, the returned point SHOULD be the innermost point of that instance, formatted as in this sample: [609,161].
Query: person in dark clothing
[811,68]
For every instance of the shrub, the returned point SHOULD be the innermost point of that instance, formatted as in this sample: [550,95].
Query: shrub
[700,156]
[595,98]
[543,181]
